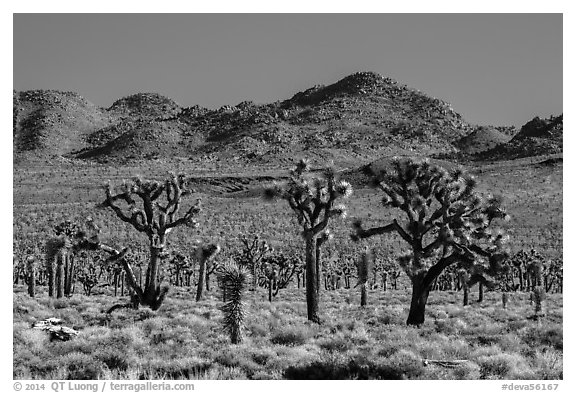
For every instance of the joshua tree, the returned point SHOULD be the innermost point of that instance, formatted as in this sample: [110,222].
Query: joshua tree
[553,275]
[205,254]
[157,216]
[59,259]
[70,234]
[178,264]
[253,250]
[312,199]
[535,270]
[87,275]
[446,222]
[234,279]
[278,270]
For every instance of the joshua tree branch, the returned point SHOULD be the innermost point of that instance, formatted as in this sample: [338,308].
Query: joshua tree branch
[439,267]
[132,220]
[362,233]
[430,248]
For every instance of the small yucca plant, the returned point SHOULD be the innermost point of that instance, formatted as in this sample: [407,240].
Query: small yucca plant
[234,279]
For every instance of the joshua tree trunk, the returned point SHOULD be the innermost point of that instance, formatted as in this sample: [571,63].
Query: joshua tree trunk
[312,282]
[69,274]
[60,276]
[50,272]
[31,276]
[201,278]
[152,274]
[363,295]
[270,290]
[254,277]
[318,263]
[116,283]
[480,292]
[466,290]
[521,278]
[418,304]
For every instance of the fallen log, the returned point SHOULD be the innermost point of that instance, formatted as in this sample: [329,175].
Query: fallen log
[444,363]
[54,327]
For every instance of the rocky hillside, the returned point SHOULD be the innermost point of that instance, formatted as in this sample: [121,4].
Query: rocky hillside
[355,120]
[537,137]
[145,105]
[48,123]
[483,138]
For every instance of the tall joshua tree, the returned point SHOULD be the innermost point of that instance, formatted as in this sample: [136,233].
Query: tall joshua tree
[446,222]
[60,258]
[153,209]
[312,199]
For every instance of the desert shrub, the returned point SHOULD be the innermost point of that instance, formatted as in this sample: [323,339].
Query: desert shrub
[27,337]
[502,366]
[291,335]
[59,304]
[387,348]
[512,343]
[341,367]
[335,343]
[548,365]
[225,373]
[468,370]
[183,368]
[551,336]
[406,363]
[113,358]
[75,345]
[348,324]
[438,314]
[485,351]
[124,337]
[456,348]
[450,325]
[81,366]
[257,329]
[28,364]
[263,355]
[518,324]
[239,359]
[266,375]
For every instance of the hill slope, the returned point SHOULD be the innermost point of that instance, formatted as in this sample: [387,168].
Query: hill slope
[48,122]
[358,118]
[537,137]
[355,120]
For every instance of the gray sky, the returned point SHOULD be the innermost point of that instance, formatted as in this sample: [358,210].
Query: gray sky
[500,69]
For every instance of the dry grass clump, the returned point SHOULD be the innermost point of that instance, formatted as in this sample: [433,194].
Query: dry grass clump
[184,340]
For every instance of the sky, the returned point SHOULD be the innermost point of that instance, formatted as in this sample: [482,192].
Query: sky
[499,69]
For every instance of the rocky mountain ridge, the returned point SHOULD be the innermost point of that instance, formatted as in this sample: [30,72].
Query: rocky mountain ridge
[357,119]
